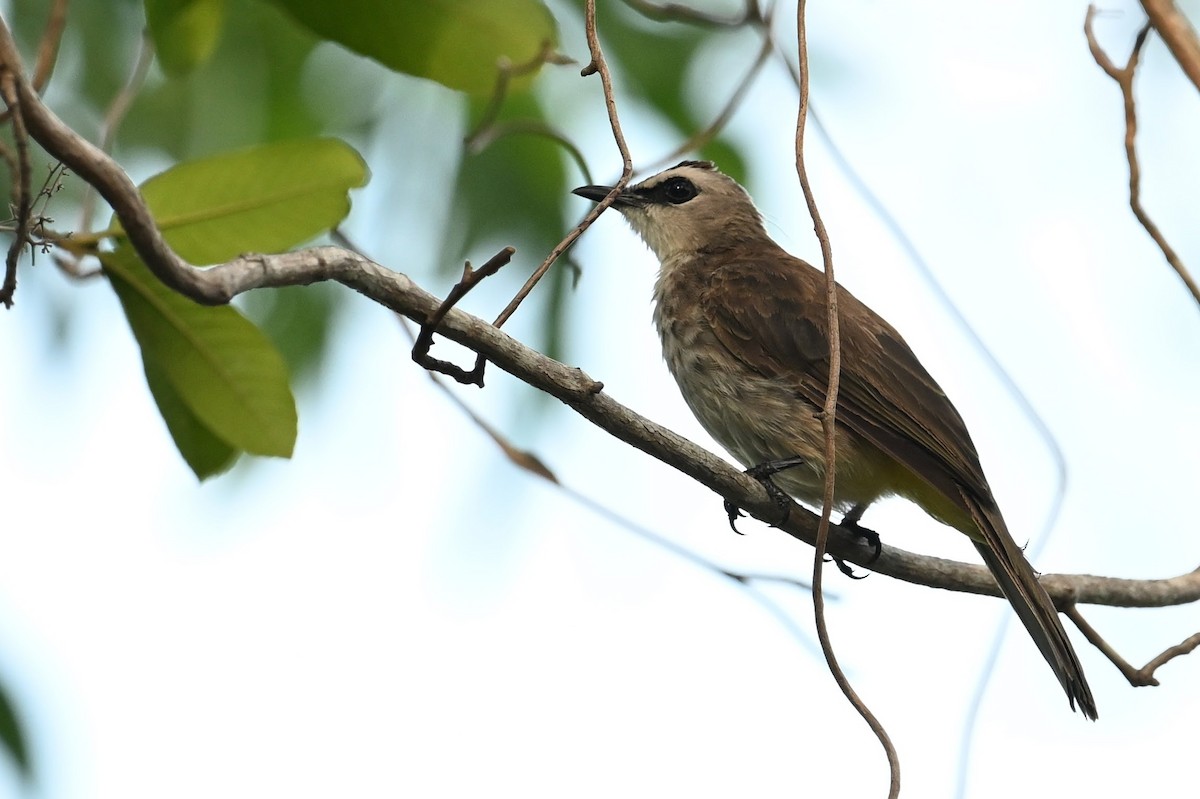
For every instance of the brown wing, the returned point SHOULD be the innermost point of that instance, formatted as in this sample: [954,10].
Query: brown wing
[773,319]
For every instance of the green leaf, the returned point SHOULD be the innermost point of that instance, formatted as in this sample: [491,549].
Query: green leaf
[457,43]
[210,362]
[206,454]
[11,736]
[185,32]
[253,89]
[263,199]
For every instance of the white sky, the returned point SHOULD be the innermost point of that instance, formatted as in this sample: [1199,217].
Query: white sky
[398,611]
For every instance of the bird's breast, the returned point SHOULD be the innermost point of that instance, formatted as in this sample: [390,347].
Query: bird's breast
[756,418]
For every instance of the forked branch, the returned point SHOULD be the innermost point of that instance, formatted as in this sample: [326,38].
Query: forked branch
[1124,79]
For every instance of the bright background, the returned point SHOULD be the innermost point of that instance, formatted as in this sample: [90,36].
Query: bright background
[400,611]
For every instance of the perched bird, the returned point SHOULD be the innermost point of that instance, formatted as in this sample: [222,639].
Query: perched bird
[745,334]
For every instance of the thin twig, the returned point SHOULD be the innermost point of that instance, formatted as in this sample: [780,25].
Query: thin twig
[676,12]
[1137,677]
[505,72]
[20,184]
[1124,79]
[113,118]
[47,50]
[532,127]
[596,65]
[470,279]
[707,134]
[828,422]
[48,47]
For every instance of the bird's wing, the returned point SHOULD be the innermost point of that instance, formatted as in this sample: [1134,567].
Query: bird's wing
[773,320]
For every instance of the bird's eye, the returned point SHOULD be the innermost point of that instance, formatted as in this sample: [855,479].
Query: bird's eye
[678,190]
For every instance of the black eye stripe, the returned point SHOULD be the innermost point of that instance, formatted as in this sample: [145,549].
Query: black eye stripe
[674,191]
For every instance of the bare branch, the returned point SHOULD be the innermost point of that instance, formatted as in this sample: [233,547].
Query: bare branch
[532,127]
[47,53]
[1178,34]
[48,47]
[470,279]
[677,12]
[1137,677]
[1124,78]
[707,134]
[596,65]
[398,293]
[115,115]
[505,72]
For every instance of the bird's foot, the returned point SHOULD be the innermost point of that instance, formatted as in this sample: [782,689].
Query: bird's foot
[870,537]
[845,568]
[763,473]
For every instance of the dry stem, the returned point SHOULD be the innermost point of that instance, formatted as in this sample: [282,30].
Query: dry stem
[828,423]
[1124,78]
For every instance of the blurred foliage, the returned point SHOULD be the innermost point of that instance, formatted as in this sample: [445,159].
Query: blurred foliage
[12,737]
[185,32]
[457,43]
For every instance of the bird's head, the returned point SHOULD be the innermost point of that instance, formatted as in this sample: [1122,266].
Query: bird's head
[691,207]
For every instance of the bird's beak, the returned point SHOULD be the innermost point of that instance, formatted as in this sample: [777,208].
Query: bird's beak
[625,199]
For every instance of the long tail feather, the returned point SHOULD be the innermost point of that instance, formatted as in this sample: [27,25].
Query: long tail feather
[1020,586]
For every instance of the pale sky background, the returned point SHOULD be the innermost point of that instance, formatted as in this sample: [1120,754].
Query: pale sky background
[398,611]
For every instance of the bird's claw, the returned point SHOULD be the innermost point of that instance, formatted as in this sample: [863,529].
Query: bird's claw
[870,537]
[733,512]
[845,569]
[850,524]
[762,473]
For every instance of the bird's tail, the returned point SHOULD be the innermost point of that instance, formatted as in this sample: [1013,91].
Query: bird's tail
[1033,605]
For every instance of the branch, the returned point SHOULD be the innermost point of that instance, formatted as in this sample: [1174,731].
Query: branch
[21,180]
[702,137]
[677,12]
[117,110]
[48,48]
[1178,34]
[424,340]
[1124,78]
[1137,677]
[597,64]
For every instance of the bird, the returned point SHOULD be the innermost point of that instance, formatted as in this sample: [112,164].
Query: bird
[744,332]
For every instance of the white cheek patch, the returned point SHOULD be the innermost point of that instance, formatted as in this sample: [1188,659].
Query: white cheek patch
[664,237]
